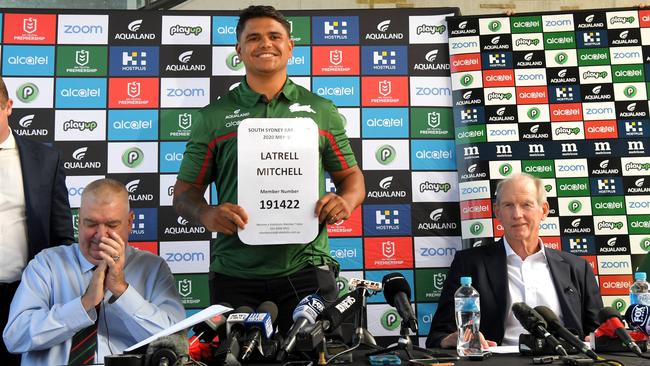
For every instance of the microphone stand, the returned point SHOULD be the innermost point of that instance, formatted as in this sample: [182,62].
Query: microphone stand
[404,344]
[362,335]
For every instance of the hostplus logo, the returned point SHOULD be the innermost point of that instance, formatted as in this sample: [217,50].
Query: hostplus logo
[387,219]
[634,128]
[335,29]
[384,60]
[134,61]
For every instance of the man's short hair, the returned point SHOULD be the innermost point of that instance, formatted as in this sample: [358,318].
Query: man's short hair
[4,94]
[105,188]
[261,11]
[539,185]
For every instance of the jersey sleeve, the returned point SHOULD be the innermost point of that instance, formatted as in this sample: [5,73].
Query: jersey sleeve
[338,154]
[197,165]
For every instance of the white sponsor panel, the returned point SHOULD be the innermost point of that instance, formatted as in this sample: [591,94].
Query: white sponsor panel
[430,91]
[645,36]
[637,205]
[622,19]
[610,225]
[31,92]
[498,132]
[477,228]
[499,25]
[574,206]
[428,28]
[385,154]
[184,92]
[530,77]
[434,186]
[474,190]
[462,45]
[76,185]
[132,157]
[436,251]
[614,264]
[352,118]
[504,168]
[557,23]
[571,168]
[343,280]
[629,91]
[82,29]
[186,256]
[639,244]
[185,29]
[598,111]
[466,80]
[595,74]
[568,131]
[304,81]
[226,62]
[635,166]
[626,55]
[527,42]
[383,320]
[561,58]
[79,125]
[500,96]
[533,113]
[167,182]
[550,227]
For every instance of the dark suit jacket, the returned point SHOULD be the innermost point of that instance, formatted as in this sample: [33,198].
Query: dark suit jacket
[573,278]
[49,219]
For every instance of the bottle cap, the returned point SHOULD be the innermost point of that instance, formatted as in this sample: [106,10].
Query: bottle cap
[640,276]
[466,281]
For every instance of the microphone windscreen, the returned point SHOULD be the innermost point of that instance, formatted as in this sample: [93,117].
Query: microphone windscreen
[243,309]
[549,316]
[268,307]
[527,316]
[394,283]
[607,313]
[176,342]
[637,317]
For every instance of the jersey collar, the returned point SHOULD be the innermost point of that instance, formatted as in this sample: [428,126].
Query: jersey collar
[248,97]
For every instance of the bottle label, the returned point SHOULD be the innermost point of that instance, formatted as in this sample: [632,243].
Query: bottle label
[466,304]
[640,299]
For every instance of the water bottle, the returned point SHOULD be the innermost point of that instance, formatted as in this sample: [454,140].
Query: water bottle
[468,318]
[639,291]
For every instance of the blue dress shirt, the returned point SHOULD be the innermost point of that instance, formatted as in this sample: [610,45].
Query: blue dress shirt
[46,311]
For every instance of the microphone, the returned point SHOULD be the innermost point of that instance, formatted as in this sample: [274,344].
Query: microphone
[557,328]
[235,329]
[209,328]
[305,314]
[258,324]
[637,317]
[167,350]
[397,293]
[342,309]
[535,325]
[612,326]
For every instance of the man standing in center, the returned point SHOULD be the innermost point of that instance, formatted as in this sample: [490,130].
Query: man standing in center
[247,275]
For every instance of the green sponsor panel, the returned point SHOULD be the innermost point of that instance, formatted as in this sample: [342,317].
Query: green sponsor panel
[430,283]
[593,56]
[628,73]
[194,290]
[559,40]
[572,187]
[530,24]
[638,224]
[300,30]
[177,124]
[539,168]
[436,123]
[75,223]
[81,61]
[471,134]
[607,205]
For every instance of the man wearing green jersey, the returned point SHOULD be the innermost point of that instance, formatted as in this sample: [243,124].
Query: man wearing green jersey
[248,275]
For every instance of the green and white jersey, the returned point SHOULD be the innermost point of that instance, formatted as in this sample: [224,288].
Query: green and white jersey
[211,156]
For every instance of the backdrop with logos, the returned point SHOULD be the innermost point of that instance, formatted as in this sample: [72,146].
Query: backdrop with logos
[562,96]
[117,93]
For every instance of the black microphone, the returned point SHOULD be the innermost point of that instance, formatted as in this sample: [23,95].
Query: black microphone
[165,351]
[235,330]
[258,324]
[341,310]
[611,324]
[535,325]
[304,315]
[557,328]
[638,318]
[398,293]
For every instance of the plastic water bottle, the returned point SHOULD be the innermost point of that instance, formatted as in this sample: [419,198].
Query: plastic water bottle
[468,318]
[640,290]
